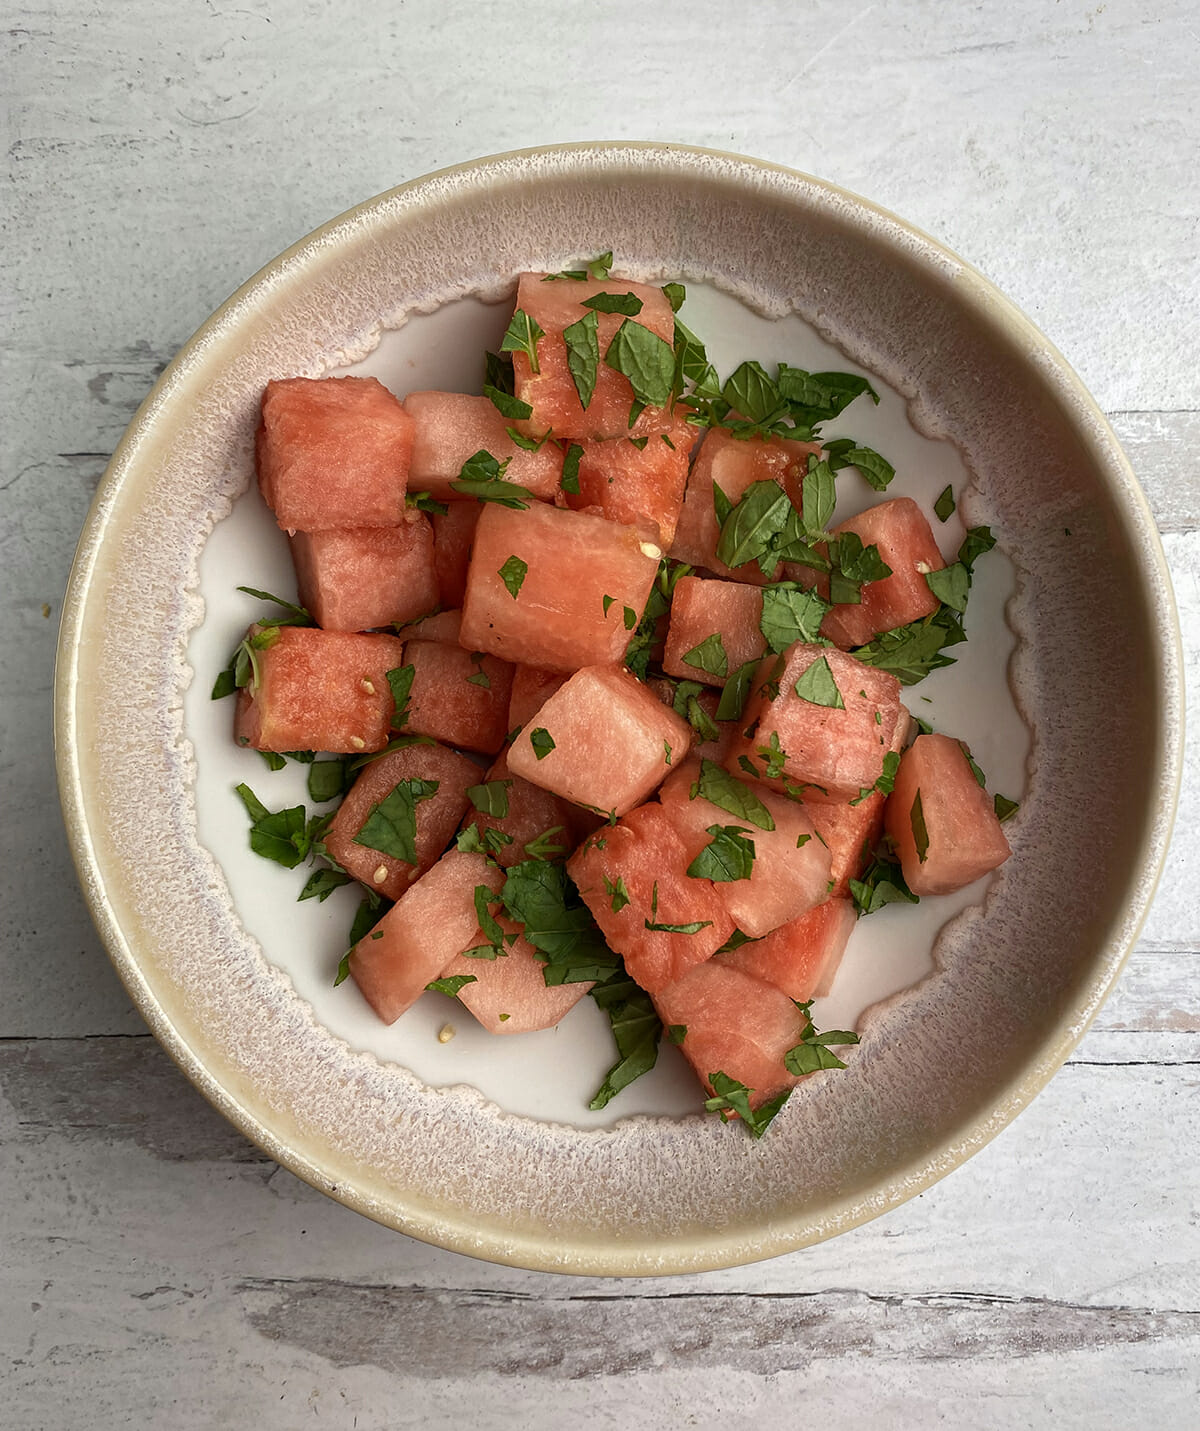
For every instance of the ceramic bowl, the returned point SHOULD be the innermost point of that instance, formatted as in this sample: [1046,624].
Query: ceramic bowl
[491,1151]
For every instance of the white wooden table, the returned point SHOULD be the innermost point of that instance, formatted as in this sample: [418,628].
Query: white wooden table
[159,1270]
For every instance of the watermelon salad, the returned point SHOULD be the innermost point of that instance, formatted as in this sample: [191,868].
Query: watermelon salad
[596,699]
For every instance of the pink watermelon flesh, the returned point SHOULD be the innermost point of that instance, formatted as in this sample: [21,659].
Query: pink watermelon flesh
[551,391]
[425,930]
[450,428]
[333,452]
[736,1025]
[850,833]
[355,578]
[630,484]
[437,818]
[531,689]
[532,812]
[734,465]
[559,618]
[458,697]
[825,753]
[442,626]
[906,543]
[319,690]
[703,607]
[644,853]
[613,741]
[801,957]
[510,994]
[790,873]
[964,838]
[453,533]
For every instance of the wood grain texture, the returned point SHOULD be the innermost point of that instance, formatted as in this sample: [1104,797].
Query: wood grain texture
[158,1268]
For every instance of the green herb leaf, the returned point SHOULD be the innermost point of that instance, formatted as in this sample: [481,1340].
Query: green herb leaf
[482,477]
[570,472]
[645,359]
[297,616]
[790,614]
[522,337]
[977,541]
[538,894]
[451,984]
[818,687]
[629,305]
[845,452]
[542,742]
[818,497]
[909,652]
[322,883]
[886,782]
[492,931]
[735,941]
[734,1097]
[728,793]
[814,398]
[944,507]
[709,656]
[545,847]
[498,371]
[391,823]
[629,617]
[729,857]
[676,1033]
[882,883]
[750,392]
[747,532]
[281,835]
[400,680]
[506,404]
[813,1053]
[636,1029]
[676,293]
[425,502]
[950,584]
[737,689]
[856,562]
[272,759]
[583,355]
[490,798]
[916,818]
[693,928]
[1004,807]
[618,893]
[512,574]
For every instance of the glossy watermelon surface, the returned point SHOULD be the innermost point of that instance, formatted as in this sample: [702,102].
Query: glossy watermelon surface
[704,607]
[450,428]
[801,957]
[636,480]
[355,578]
[458,697]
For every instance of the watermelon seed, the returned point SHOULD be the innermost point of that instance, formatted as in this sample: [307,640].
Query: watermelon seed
[650,550]
[358,742]
[368,686]
[445,1033]
[380,874]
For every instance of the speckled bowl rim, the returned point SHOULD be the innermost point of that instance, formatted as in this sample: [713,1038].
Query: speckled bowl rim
[718,1249]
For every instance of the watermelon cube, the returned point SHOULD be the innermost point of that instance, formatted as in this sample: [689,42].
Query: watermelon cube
[317,690]
[790,872]
[827,740]
[551,392]
[450,428]
[572,590]
[702,608]
[459,697]
[850,833]
[430,924]
[333,452]
[434,820]
[510,994]
[633,877]
[531,689]
[944,826]
[603,740]
[733,464]
[906,543]
[642,479]
[442,626]
[453,534]
[530,813]
[801,957]
[354,578]
[733,1024]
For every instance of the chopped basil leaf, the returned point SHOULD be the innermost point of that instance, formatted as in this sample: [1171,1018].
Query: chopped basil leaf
[639,443]
[424,502]
[327,779]
[630,617]
[557,923]
[545,847]
[977,541]
[856,562]
[845,452]
[709,656]
[734,1097]
[818,497]
[391,823]
[490,798]
[1005,808]
[722,506]
[583,355]
[747,532]
[950,585]
[886,782]
[522,337]
[910,652]
[542,742]
[618,893]
[916,818]
[728,793]
[751,392]
[512,574]
[676,293]
[450,984]
[482,477]
[479,678]
[882,883]
[322,883]
[812,1053]
[506,404]
[645,359]
[693,928]
[400,681]
[283,836]
[976,771]
[813,398]
[790,614]
[667,751]
[944,507]
[737,688]
[636,1028]
[629,305]
[729,857]
[570,471]
[484,898]
[606,602]
[598,269]
[272,759]
[498,371]
[226,682]
[527,444]
[298,617]
[818,687]
[735,941]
